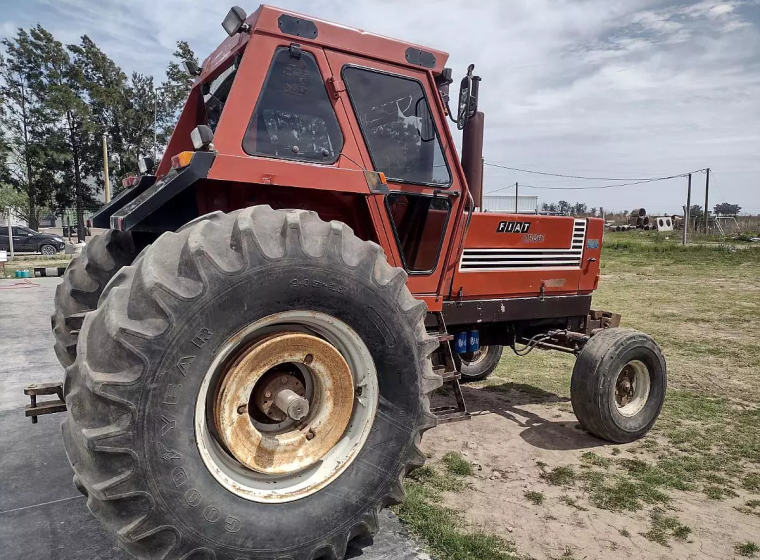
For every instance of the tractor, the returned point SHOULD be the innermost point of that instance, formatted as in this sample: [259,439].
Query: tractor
[251,347]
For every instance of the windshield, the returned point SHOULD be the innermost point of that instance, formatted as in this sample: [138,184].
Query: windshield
[218,91]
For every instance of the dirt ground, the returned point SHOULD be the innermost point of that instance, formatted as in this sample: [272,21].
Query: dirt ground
[530,432]
[690,489]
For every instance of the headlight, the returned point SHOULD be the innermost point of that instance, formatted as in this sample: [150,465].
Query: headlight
[145,165]
[202,136]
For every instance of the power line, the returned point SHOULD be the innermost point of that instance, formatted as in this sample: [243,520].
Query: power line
[613,186]
[500,166]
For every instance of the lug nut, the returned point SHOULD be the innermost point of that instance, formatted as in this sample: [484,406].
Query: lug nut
[308,359]
[310,435]
[242,409]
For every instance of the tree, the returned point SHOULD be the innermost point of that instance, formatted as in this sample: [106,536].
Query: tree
[65,85]
[29,156]
[563,207]
[121,108]
[579,209]
[552,207]
[593,211]
[174,92]
[726,209]
[545,207]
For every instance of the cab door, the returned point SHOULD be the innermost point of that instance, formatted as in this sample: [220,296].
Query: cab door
[395,115]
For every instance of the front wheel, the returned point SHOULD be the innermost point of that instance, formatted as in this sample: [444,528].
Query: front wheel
[48,250]
[476,366]
[255,386]
[618,385]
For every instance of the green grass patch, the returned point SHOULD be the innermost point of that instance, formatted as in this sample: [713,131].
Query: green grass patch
[559,476]
[591,458]
[624,533]
[662,527]
[442,528]
[535,497]
[718,492]
[620,493]
[442,482]
[572,502]
[751,483]
[456,464]
[747,549]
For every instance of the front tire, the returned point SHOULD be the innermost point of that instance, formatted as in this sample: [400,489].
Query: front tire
[261,279]
[618,385]
[476,366]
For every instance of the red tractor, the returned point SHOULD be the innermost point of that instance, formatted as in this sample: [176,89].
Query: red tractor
[251,348]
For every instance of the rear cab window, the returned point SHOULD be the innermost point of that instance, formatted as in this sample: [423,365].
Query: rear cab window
[294,117]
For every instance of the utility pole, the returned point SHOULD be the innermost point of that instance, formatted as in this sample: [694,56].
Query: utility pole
[155,123]
[105,169]
[687,211]
[516,187]
[707,196]
[10,233]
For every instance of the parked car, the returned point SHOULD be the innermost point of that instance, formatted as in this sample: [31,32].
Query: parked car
[27,240]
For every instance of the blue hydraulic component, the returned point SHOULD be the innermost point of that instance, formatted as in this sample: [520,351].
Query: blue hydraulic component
[473,341]
[460,343]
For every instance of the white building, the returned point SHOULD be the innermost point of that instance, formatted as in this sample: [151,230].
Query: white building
[506,203]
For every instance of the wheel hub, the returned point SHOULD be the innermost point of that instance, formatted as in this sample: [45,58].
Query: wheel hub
[266,384]
[632,388]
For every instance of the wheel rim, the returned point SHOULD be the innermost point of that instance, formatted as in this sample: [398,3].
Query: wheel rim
[476,357]
[286,406]
[632,388]
[48,250]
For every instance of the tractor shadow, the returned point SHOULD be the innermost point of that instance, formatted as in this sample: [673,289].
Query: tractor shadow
[513,401]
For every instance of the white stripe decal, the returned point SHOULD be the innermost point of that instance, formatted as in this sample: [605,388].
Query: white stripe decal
[505,259]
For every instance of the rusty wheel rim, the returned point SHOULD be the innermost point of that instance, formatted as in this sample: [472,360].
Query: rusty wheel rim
[631,390]
[323,377]
[305,440]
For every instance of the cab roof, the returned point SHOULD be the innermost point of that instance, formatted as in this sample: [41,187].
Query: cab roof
[308,30]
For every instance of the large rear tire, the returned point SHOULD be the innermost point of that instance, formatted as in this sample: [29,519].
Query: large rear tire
[185,327]
[618,385]
[83,283]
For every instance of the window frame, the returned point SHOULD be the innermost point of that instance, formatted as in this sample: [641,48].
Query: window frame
[262,91]
[444,186]
[400,247]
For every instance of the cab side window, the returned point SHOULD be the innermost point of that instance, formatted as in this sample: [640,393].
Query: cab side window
[419,223]
[294,118]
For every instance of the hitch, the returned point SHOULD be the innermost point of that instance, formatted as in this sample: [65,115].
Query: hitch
[35,409]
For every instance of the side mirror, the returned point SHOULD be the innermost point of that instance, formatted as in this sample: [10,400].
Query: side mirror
[234,21]
[468,98]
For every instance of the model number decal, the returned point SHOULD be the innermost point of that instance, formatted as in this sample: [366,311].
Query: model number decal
[533,238]
[513,227]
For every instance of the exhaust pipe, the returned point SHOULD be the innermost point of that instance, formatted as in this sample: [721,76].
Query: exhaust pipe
[472,153]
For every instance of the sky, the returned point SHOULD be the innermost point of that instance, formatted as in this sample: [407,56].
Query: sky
[603,88]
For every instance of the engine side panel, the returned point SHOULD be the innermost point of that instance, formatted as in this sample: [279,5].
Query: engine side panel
[514,255]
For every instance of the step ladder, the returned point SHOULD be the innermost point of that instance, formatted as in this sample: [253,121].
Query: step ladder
[448,371]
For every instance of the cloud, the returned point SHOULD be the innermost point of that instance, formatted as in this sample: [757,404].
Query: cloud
[603,87]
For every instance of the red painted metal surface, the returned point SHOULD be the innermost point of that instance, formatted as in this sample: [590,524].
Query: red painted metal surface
[551,255]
